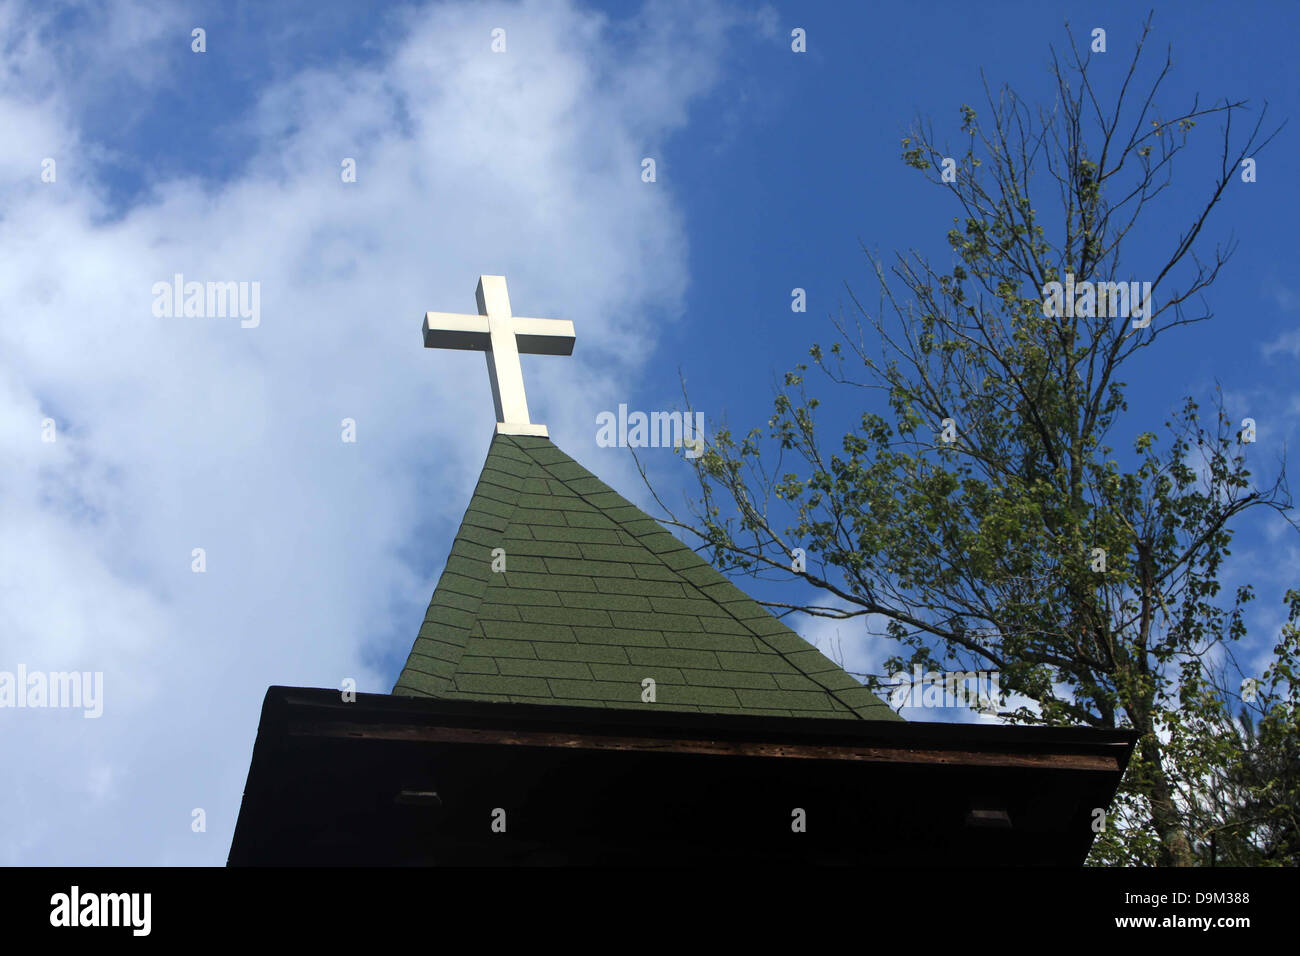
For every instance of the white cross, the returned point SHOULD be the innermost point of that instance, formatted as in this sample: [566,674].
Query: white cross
[502,337]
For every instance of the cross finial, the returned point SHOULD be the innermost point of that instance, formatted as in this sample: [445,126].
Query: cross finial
[502,337]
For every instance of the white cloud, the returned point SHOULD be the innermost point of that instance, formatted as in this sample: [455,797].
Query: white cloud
[1286,301]
[182,433]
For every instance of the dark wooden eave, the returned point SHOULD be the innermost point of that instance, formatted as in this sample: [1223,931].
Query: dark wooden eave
[395,780]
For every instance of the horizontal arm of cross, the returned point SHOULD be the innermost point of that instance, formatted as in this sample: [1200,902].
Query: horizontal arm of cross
[449,330]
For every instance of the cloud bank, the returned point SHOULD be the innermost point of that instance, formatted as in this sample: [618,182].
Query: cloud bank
[175,434]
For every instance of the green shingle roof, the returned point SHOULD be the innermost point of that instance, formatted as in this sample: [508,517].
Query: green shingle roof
[595,597]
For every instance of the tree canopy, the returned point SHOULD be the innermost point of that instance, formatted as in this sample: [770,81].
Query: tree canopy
[977,515]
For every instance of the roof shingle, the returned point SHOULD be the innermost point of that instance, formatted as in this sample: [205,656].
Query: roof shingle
[595,597]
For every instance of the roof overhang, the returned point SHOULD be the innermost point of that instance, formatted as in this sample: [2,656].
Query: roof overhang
[390,780]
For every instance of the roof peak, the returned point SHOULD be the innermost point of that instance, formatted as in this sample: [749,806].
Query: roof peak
[559,590]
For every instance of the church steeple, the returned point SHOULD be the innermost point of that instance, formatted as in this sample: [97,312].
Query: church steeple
[559,591]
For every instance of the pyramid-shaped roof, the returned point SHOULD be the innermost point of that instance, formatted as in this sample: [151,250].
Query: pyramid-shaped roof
[595,597]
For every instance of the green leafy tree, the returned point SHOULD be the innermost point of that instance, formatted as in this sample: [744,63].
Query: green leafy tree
[978,516]
[1237,767]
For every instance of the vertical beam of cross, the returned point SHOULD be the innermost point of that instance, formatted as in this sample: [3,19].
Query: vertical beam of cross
[502,336]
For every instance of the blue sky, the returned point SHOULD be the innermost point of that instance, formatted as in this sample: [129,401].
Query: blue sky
[181,433]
